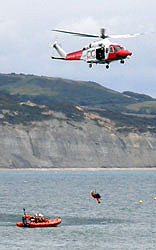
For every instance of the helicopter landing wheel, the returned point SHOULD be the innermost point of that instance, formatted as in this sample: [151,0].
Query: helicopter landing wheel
[107,66]
[122,61]
[90,65]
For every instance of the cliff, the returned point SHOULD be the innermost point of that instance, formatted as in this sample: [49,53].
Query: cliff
[50,122]
[94,142]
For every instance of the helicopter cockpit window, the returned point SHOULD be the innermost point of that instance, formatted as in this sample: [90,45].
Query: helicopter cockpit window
[117,48]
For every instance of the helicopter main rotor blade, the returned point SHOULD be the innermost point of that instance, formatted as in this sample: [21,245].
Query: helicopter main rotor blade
[75,33]
[130,35]
[102,34]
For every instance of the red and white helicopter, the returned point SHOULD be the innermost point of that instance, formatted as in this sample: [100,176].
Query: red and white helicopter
[98,52]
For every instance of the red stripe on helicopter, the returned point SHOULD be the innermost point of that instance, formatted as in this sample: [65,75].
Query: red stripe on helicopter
[74,55]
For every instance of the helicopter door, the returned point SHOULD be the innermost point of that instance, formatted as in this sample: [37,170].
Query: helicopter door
[100,53]
[107,52]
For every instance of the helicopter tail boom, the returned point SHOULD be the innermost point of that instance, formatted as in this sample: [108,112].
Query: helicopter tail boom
[64,56]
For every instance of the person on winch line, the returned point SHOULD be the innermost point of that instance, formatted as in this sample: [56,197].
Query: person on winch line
[96,196]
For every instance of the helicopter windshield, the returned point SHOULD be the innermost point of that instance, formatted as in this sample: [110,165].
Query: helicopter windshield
[115,48]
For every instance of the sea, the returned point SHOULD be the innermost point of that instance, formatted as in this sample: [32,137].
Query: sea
[125,219]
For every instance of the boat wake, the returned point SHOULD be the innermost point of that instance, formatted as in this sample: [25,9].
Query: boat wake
[71,221]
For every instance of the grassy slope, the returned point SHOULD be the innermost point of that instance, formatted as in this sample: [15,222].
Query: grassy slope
[57,90]
[148,107]
[62,95]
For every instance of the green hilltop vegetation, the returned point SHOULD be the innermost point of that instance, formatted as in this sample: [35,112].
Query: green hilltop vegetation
[127,109]
[44,90]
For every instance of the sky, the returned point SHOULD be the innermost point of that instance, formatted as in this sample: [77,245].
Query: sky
[26,36]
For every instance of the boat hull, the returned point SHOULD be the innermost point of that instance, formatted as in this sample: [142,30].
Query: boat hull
[49,223]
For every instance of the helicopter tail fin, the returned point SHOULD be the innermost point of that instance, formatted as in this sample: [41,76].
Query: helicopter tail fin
[58,48]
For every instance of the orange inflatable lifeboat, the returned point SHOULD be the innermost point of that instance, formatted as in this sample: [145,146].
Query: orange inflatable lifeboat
[38,221]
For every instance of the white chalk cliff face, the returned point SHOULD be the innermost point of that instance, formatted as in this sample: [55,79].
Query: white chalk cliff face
[62,143]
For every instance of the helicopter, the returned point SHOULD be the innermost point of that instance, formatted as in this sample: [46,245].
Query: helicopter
[98,52]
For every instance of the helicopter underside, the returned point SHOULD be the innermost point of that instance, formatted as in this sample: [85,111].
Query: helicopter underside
[105,61]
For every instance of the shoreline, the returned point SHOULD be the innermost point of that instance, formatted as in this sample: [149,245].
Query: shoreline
[74,169]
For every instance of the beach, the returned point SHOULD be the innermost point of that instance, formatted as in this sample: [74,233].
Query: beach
[75,169]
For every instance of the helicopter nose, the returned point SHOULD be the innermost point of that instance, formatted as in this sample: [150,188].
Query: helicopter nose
[123,53]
